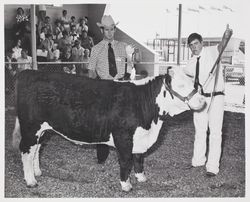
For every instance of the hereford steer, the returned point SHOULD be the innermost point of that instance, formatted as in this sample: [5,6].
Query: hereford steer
[126,115]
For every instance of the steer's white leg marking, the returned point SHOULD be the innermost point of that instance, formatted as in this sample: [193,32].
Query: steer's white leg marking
[141,177]
[27,159]
[126,186]
[16,135]
[39,133]
[143,139]
[37,170]
[44,126]
[31,159]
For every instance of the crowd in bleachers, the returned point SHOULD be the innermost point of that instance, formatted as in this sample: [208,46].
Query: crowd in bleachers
[64,40]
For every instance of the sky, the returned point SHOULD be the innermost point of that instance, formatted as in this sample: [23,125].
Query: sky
[143,19]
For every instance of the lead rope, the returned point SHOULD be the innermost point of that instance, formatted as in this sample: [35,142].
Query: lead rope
[216,70]
[216,62]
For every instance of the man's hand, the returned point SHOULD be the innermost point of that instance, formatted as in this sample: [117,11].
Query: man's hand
[228,32]
[226,36]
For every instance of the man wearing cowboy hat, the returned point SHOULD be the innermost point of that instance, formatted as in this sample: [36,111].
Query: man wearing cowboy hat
[99,64]
[108,61]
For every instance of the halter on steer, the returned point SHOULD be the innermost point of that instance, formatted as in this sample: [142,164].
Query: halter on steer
[184,99]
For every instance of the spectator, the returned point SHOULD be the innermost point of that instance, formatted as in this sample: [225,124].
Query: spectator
[56,53]
[67,57]
[41,12]
[56,58]
[17,49]
[73,34]
[58,30]
[20,16]
[26,36]
[42,34]
[48,25]
[48,44]
[81,26]
[84,68]
[73,21]
[64,41]
[86,20]
[42,55]
[77,55]
[65,20]
[27,60]
[19,26]
[86,41]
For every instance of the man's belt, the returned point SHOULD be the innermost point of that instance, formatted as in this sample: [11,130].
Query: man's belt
[213,94]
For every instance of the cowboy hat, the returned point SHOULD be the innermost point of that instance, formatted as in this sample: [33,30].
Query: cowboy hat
[107,21]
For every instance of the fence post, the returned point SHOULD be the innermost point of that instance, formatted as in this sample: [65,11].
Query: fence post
[33,37]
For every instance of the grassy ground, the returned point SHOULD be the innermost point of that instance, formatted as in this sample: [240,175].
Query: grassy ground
[72,171]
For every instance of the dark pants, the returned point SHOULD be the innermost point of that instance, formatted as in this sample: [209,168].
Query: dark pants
[102,152]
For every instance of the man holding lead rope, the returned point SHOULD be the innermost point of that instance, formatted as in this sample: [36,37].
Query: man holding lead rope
[205,64]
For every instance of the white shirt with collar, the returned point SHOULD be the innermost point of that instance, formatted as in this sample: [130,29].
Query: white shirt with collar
[208,56]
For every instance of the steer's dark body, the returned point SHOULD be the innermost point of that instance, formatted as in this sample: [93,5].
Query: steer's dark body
[87,110]
[84,109]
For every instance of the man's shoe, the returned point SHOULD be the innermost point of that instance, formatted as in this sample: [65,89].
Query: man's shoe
[210,174]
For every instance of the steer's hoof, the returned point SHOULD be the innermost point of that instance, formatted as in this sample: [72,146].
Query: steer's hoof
[141,177]
[126,186]
[38,173]
[33,185]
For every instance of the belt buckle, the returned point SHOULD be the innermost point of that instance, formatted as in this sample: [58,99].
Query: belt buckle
[211,94]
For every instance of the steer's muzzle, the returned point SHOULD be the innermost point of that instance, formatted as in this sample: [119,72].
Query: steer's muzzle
[197,102]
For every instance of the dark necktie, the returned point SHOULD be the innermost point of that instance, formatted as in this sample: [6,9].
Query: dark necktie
[112,64]
[196,80]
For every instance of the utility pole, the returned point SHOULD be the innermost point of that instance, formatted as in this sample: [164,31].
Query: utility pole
[179,35]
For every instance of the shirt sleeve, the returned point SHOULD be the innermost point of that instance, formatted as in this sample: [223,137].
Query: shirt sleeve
[130,63]
[93,63]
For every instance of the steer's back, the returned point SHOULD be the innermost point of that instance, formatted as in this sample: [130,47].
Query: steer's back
[72,105]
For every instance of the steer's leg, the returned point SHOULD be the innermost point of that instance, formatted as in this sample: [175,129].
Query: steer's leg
[138,160]
[124,145]
[28,154]
[37,170]
[29,147]
[102,152]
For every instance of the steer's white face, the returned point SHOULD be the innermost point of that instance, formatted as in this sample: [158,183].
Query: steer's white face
[183,86]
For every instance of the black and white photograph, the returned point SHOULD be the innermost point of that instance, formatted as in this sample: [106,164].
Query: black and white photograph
[107,100]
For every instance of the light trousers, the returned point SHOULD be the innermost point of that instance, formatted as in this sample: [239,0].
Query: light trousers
[212,117]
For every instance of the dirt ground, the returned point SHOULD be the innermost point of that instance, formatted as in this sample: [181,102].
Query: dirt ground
[72,171]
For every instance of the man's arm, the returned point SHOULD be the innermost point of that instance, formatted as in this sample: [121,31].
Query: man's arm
[129,55]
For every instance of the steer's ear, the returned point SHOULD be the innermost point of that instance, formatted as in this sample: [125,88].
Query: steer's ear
[168,76]
[168,79]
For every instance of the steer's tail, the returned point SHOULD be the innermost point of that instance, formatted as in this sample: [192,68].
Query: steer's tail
[16,135]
